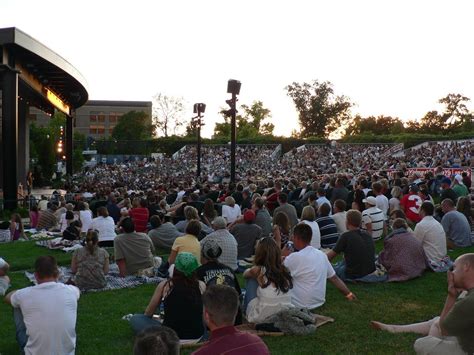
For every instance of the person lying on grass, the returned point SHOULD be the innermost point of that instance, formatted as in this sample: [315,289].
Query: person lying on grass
[452,332]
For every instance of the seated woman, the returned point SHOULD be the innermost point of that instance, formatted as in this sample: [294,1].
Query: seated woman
[308,216]
[181,298]
[90,264]
[73,232]
[268,283]
[105,225]
[16,227]
[191,213]
[281,229]
[403,256]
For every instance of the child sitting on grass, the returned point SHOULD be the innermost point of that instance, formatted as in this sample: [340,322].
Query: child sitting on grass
[4,279]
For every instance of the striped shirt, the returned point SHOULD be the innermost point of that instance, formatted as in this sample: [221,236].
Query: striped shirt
[328,230]
[374,216]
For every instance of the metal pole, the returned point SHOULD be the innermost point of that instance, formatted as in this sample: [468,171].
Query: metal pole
[233,138]
[199,144]
[69,143]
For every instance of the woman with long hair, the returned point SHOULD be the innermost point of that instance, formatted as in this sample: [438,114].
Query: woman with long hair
[268,283]
[182,303]
[16,227]
[208,212]
[90,264]
[464,206]
[281,229]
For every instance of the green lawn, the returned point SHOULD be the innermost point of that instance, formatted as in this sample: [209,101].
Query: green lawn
[100,329]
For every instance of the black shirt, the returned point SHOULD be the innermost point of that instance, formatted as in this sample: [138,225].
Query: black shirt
[359,253]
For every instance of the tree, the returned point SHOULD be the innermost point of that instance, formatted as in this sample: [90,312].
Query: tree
[320,111]
[133,126]
[432,122]
[455,112]
[168,114]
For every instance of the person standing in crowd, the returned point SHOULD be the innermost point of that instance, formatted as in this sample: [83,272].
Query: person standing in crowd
[455,225]
[49,301]
[221,303]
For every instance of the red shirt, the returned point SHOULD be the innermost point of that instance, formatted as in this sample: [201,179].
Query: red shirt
[230,341]
[139,217]
[411,205]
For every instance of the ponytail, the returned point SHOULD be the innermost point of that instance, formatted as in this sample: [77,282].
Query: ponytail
[92,238]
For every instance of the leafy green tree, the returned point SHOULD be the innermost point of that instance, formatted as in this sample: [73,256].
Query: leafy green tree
[133,126]
[321,112]
[455,112]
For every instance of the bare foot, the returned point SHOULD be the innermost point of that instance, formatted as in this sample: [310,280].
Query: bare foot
[379,326]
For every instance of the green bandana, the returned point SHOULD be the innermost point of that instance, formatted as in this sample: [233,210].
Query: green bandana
[186,263]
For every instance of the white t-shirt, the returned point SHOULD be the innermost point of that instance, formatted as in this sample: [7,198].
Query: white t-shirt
[86,220]
[231,213]
[433,238]
[340,220]
[49,312]
[382,203]
[105,226]
[316,236]
[309,268]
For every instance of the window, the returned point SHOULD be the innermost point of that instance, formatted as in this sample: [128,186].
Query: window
[100,130]
[93,116]
[113,117]
[101,117]
[93,130]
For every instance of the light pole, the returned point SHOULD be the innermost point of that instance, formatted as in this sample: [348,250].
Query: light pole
[233,87]
[199,108]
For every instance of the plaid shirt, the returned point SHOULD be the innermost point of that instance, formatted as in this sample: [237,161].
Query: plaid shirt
[228,245]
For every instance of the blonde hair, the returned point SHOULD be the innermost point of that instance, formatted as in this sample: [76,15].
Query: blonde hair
[229,200]
[308,214]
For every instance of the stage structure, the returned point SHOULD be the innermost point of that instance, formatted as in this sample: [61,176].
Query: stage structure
[31,74]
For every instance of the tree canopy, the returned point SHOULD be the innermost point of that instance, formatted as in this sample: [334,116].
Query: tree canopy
[133,126]
[320,111]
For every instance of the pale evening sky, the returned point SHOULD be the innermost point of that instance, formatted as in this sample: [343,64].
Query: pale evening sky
[390,57]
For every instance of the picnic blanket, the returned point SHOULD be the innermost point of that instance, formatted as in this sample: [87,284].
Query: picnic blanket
[114,281]
[65,245]
[34,234]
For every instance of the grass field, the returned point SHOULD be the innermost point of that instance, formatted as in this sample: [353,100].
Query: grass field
[100,329]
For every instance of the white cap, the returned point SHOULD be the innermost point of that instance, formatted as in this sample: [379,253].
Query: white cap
[371,200]
[458,178]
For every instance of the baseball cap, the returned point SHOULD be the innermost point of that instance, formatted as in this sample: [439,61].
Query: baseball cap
[446,180]
[458,177]
[371,200]
[210,249]
[186,263]
[249,216]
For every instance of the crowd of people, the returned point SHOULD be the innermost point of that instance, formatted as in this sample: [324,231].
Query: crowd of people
[281,224]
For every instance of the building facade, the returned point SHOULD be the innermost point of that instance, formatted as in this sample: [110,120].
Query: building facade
[97,118]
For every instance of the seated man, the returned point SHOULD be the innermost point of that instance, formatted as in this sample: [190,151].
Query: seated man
[157,340]
[327,227]
[310,268]
[246,234]
[220,309]
[45,314]
[455,225]
[358,248]
[162,234]
[47,219]
[133,251]
[451,333]
[225,240]
[373,218]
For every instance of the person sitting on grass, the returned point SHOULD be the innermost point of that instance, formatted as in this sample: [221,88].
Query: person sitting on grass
[226,241]
[4,279]
[181,297]
[455,225]
[268,283]
[157,340]
[133,251]
[90,264]
[16,227]
[358,248]
[402,256]
[73,231]
[45,314]
[451,332]
[220,309]
[310,268]
[163,234]
[211,272]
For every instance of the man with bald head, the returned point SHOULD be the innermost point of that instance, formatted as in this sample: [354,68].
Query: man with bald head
[452,332]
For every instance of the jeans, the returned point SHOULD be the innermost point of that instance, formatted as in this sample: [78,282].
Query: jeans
[140,322]
[340,269]
[251,286]
[20,326]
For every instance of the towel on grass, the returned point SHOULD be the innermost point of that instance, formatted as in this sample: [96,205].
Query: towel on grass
[65,245]
[114,281]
